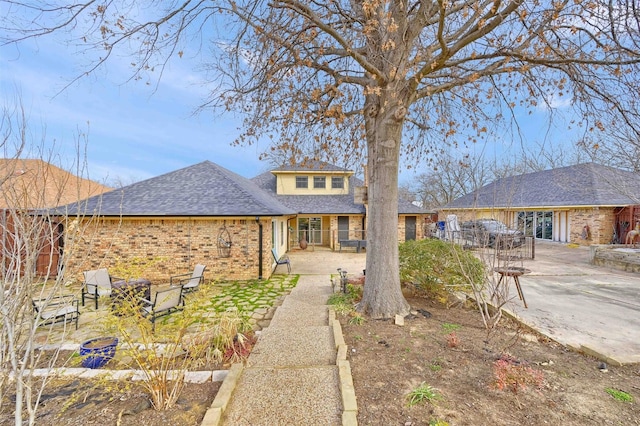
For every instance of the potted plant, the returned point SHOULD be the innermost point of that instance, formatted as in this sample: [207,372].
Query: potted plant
[97,352]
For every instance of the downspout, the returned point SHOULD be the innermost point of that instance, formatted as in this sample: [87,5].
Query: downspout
[259,247]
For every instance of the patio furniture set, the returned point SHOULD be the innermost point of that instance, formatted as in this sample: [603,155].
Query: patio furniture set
[153,302]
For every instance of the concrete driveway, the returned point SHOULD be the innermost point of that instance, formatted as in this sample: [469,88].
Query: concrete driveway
[591,309]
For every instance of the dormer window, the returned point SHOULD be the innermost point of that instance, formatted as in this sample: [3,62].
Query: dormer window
[302,182]
[319,182]
[337,182]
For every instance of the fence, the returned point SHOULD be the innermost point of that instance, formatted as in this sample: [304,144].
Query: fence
[509,250]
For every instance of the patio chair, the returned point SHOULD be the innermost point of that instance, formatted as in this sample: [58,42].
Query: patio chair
[284,260]
[164,302]
[56,309]
[97,283]
[189,281]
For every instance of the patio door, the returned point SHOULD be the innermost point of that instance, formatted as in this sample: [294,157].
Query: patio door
[537,224]
[311,229]
[544,225]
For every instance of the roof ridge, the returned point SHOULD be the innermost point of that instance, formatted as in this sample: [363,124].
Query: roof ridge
[244,182]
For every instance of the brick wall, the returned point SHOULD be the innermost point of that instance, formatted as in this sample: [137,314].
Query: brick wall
[173,246]
[600,221]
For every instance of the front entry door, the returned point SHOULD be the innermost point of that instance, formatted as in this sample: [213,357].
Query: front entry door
[343,228]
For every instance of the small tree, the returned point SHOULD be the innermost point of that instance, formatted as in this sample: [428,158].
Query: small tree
[31,253]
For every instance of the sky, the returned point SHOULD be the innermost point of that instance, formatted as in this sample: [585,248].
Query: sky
[134,131]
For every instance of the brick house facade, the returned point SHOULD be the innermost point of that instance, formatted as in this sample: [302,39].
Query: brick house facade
[175,221]
[579,204]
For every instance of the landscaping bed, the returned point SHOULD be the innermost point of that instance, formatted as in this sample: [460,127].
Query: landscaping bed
[83,402]
[467,375]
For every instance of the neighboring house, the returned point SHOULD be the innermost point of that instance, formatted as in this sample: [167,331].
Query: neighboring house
[584,203]
[202,214]
[32,184]
[331,204]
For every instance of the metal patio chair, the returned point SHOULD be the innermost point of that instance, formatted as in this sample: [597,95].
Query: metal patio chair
[189,281]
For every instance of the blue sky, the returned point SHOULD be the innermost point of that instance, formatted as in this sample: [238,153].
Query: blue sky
[133,132]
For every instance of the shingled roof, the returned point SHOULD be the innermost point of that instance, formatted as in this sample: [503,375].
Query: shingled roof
[324,204]
[204,189]
[587,184]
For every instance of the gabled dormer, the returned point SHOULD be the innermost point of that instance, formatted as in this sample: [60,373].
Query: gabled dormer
[316,179]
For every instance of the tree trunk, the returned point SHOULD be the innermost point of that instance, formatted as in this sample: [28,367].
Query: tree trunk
[382,296]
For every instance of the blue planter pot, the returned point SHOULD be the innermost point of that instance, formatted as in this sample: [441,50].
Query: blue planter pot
[97,352]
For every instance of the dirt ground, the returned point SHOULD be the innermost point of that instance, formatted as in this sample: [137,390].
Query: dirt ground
[73,401]
[95,403]
[104,402]
[562,387]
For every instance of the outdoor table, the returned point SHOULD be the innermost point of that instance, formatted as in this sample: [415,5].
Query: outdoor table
[123,290]
[516,273]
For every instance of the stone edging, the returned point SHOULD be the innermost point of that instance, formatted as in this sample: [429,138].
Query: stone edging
[347,390]
[133,375]
[213,416]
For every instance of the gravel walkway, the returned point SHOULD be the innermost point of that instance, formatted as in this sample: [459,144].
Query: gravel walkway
[292,377]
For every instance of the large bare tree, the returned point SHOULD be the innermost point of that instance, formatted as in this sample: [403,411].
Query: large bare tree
[452,176]
[389,76]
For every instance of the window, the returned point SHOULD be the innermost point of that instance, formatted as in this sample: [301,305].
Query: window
[319,182]
[337,182]
[302,182]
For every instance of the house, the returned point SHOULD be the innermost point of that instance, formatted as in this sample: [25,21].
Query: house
[584,203]
[32,184]
[202,214]
[209,215]
[331,204]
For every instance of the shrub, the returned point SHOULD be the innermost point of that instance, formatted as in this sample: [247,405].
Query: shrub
[180,342]
[510,375]
[435,267]
[453,341]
